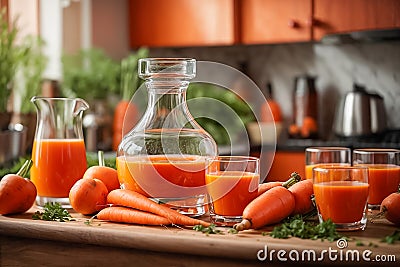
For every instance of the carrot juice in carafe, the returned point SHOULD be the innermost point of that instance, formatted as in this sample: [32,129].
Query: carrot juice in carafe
[58,153]
[163,156]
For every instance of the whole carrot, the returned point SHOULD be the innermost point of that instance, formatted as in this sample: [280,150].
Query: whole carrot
[17,194]
[262,188]
[302,192]
[128,215]
[132,199]
[107,175]
[390,207]
[270,207]
[88,196]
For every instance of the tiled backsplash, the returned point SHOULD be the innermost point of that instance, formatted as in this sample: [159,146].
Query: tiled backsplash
[375,65]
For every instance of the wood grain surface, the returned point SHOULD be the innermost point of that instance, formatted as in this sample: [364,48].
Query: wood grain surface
[117,243]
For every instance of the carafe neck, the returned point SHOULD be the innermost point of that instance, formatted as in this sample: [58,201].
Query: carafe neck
[167,107]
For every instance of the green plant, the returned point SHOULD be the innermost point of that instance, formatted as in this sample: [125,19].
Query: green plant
[90,74]
[8,58]
[129,73]
[222,134]
[28,77]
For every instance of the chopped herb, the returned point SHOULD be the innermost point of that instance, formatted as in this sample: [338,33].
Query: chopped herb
[207,230]
[391,239]
[89,222]
[372,245]
[53,212]
[233,231]
[296,226]
[359,243]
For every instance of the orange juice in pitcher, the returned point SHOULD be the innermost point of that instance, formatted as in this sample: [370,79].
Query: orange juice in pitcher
[58,154]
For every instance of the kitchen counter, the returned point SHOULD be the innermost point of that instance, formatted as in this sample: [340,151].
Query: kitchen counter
[391,139]
[27,242]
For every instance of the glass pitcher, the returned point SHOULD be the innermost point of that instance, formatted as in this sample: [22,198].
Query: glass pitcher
[163,156]
[58,153]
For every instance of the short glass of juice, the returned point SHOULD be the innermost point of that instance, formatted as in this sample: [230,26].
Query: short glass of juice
[384,172]
[341,195]
[232,183]
[326,156]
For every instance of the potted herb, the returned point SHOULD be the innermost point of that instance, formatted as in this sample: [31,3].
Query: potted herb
[90,74]
[28,83]
[93,76]
[8,63]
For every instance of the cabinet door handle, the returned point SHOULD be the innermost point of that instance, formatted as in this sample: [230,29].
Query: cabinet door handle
[314,22]
[293,24]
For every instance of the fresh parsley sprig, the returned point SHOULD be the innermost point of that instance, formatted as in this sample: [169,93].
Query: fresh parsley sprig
[207,230]
[53,212]
[212,230]
[296,226]
[391,239]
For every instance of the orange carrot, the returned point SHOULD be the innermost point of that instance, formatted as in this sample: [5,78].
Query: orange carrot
[390,207]
[128,215]
[270,207]
[17,194]
[118,121]
[106,174]
[132,199]
[88,196]
[267,186]
[302,192]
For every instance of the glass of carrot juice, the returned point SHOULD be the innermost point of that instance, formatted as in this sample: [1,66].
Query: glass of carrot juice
[326,156]
[341,195]
[232,183]
[384,172]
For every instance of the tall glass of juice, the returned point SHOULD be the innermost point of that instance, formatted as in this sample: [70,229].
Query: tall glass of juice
[384,172]
[341,196]
[58,153]
[326,156]
[232,183]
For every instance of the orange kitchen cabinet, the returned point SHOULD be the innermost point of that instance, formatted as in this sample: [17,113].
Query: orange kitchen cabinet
[286,162]
[272,21]
[181,22]
[283,164]
[354,15]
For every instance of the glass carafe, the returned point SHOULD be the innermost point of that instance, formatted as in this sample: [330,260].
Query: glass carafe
[58,154]
[163,156]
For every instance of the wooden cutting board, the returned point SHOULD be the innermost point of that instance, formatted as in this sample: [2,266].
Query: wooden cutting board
[185,241]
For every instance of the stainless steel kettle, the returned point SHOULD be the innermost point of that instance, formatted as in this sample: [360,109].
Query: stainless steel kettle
[360,114]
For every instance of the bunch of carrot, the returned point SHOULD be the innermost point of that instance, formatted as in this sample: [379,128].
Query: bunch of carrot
[276,201]
[90,195]
[99,191]
[131,207]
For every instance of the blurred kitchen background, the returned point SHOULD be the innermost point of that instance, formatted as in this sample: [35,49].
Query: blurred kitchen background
[341,44]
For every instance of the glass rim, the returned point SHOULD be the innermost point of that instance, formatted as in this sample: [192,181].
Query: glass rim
[57,98]
[167,59]
[376,151]
[232,159]
[340,168]
[327,148]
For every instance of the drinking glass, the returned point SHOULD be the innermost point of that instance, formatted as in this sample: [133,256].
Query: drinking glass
[341,195]
[326,156]
[232,183]
[384,172]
